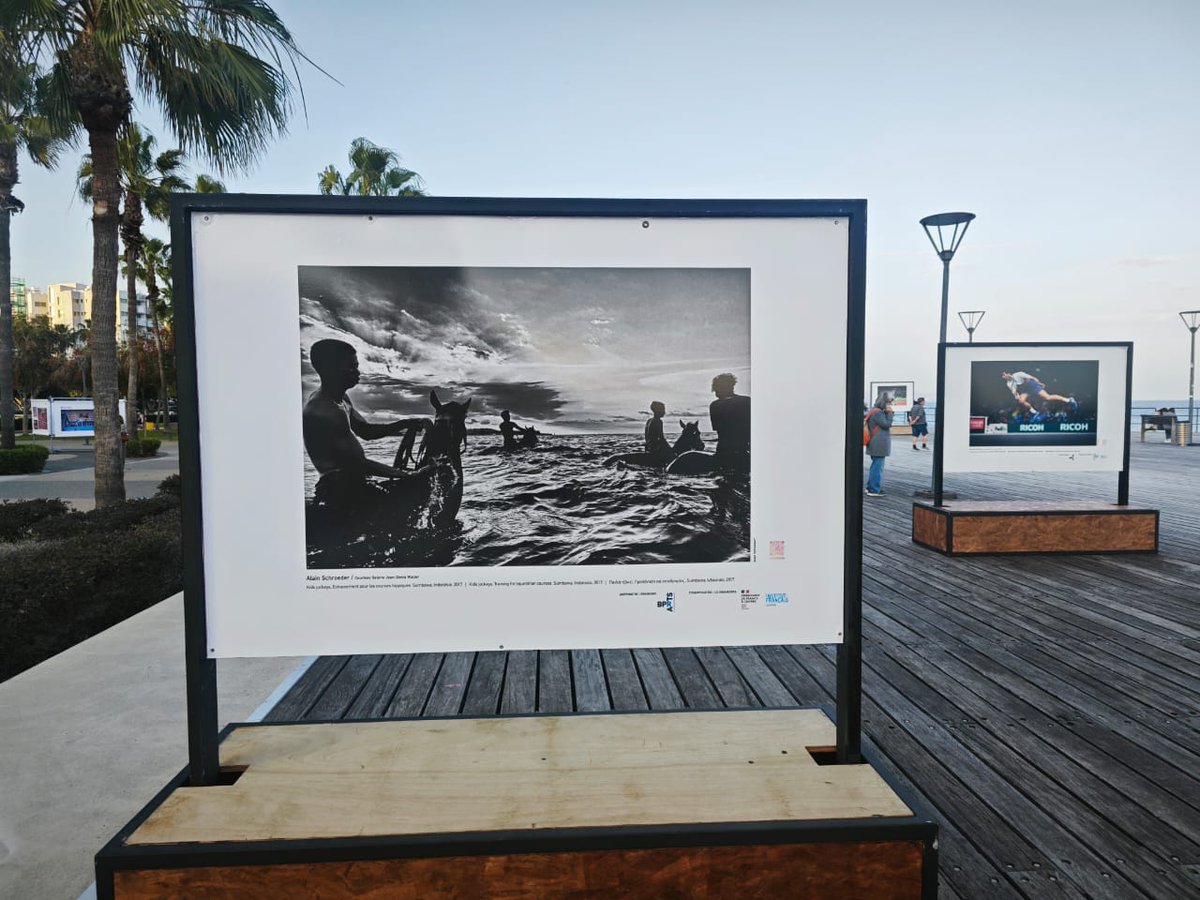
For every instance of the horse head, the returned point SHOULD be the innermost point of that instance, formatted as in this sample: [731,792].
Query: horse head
[689,439]
[448,435]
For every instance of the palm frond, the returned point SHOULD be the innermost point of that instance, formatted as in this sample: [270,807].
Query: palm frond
[84,178]
[330,181]
[222,101]
[206,184]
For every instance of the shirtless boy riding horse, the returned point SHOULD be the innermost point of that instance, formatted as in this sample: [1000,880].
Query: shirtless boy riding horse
[332,427]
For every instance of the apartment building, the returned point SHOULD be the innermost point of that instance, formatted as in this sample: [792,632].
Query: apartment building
[27,301]
[70,304]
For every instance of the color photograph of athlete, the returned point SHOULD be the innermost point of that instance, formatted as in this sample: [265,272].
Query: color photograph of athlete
[1023,386]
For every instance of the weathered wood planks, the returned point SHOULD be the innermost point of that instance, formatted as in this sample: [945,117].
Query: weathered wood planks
[1048,708]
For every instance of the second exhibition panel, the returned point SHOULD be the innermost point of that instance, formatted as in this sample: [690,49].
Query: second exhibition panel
[1036,407]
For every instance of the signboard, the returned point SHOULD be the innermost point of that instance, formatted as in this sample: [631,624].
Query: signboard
[1036,407]
[596,334]
[67,416]
[41,416]
[901,393]
[77,421]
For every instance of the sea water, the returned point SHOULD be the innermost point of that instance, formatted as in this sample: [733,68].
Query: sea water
[559,504]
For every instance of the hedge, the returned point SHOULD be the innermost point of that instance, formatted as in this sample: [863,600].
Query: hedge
[146,446]
[18,517]
[58,593]
[23,460]
[97,524]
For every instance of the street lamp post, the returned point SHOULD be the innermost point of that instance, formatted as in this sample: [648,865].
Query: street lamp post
[950,228]
[971,319]
[1191,318]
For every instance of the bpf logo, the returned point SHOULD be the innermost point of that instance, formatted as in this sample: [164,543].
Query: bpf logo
[669,603]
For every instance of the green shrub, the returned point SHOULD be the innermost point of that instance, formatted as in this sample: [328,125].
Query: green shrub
[23,460]
[171,485]
[99,523]
[146,446]
[59,593]
[17,518]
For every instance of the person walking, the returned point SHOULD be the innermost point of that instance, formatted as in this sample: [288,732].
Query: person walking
[879,445]
[920,427]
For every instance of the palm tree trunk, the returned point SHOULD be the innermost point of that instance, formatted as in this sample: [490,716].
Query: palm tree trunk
[101,96]
[131,234]
[8,177]
[152,303]
[106,221]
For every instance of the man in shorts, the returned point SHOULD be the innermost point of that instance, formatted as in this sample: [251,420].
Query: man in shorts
[920,427]
[1022,385]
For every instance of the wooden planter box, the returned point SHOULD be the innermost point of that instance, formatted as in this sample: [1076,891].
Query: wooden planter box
[1009,526]
[713,804]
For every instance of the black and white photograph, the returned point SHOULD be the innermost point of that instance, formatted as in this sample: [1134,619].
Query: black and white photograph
[489,416]
[1042,403]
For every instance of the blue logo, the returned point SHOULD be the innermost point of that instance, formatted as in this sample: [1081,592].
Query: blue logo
[776,599]
[669,603]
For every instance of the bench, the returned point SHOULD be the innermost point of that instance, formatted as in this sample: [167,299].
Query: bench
[1157,422]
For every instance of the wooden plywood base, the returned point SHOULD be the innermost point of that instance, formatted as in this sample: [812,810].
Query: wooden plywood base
[730,803]
[978,527]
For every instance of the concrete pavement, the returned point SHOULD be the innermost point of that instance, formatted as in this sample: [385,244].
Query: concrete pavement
[90,736]
[69,475]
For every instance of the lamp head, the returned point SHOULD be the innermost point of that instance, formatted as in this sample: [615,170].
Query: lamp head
[950,228]
[971,318]
[1191,318]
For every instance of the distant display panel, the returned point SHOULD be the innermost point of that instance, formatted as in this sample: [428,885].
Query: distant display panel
[899,392]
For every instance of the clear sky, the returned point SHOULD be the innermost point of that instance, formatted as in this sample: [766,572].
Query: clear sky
[1070,129]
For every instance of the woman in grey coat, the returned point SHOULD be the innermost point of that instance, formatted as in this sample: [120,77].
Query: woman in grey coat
[879,426]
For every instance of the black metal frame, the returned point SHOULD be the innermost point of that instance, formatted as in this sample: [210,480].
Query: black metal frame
[117,855]
[938,452]
[201,670]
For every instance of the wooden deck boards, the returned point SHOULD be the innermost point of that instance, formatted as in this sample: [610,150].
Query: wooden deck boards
[1048,708]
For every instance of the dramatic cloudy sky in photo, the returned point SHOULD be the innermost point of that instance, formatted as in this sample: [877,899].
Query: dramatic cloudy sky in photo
[1070,128]
[568,349]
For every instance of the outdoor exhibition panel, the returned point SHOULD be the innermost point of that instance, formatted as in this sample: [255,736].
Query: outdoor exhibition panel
[67,416]
[1034,407]
[902,394]
[575,323]
[519,424]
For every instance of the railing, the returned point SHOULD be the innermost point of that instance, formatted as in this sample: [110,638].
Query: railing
[1135,419]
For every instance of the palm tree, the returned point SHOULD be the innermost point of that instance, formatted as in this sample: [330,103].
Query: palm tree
[147,181]
[207,184]
[374,172]
[80,339]
[222,72]
[155,264]
[20,128]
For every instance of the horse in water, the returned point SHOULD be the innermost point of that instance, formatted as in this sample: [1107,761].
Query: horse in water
[689,439]
[439,458]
